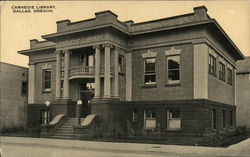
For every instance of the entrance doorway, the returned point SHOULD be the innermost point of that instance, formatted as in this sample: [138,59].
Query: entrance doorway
[86,90]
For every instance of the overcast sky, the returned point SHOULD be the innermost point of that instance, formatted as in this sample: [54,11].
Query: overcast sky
[18,28]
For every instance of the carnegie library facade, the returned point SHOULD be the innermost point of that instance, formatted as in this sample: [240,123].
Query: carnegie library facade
[175,74]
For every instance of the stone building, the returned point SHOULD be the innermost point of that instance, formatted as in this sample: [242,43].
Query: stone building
[175,74]
[243,92]
[13,96]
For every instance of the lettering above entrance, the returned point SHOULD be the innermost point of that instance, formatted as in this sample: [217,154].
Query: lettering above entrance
[80,41]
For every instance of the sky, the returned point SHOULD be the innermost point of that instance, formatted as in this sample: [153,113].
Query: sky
[18,28]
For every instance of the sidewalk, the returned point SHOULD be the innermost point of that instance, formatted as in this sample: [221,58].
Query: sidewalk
[240,149]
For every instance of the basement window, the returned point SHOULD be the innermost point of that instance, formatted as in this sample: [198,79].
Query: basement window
[174,119]
[149,119]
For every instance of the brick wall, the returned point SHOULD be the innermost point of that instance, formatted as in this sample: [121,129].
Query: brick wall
[162,92]
[13,102]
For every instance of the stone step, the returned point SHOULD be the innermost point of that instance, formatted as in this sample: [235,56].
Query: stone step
[63,134]
[65,126]
[60,137]
[63,131]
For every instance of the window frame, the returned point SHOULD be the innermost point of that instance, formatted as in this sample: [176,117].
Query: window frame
[44,80]
[153,73]
[212,65]
[222,71]
[169,119]
[167,70]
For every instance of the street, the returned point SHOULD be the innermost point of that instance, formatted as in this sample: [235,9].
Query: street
[42,147]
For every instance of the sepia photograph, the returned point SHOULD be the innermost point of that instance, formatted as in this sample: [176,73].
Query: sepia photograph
[125,78]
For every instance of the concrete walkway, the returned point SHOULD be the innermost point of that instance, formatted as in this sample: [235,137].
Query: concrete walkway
[241,149]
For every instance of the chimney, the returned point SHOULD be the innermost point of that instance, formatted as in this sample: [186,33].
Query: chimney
[106,15]
[33,43]
[62,24]
[200,13]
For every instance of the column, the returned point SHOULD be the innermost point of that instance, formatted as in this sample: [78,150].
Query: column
[107,80]
[97,72]
[58,74]
[31,84]
[116,73]
[66,75]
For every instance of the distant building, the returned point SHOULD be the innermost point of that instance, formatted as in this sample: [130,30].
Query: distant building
[13,95]
[243,92]
[174,74]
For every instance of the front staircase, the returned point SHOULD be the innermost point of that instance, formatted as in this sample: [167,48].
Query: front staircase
[65,131]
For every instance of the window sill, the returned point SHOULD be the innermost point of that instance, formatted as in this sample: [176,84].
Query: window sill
[46,91]
[173,130]
[149,86]
[214,75]
[172,84]
[222,79]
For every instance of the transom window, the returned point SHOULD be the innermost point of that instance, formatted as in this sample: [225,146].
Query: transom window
[173,69]
[149,119]
[212,65]
[149,71]
[173,119]
[222,71]
[229,76]
[47,80]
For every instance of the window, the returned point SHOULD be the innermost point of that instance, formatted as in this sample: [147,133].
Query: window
[212,65]
[134,115]
[223,119]
[173,69]
[229,76]
[149,71]
[231,118]
[88,61]
[24,87]
[222,71]
[149,119]
[173,119]
[213,119]
[121,64]
[47,80]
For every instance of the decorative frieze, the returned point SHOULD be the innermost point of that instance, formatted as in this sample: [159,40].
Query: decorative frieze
[149,54]
[173,51]
[46,66]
